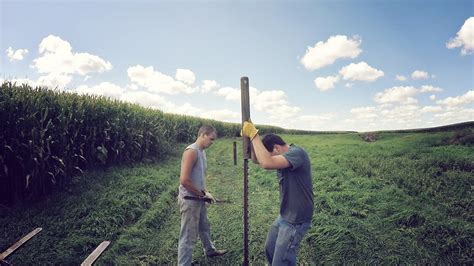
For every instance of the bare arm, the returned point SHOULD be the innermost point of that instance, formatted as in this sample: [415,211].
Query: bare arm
[265,159]
[253,156]
[187,163]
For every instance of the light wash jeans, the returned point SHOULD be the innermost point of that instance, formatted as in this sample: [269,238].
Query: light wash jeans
[194,222]
[283,241]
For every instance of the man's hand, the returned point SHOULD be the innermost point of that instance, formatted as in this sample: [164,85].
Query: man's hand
[209,196]
[249,130]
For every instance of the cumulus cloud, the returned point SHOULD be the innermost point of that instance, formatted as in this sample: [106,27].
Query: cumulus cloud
[429,88]
[57,57]
[419,74]
[16,54]
[317,118]
[400,78]
[147,99]
[397,94]
[208,85]
[222,115]
[185,75]
[456,115]
[54,80]
[20,81]
[272,102]
[402,114]
[365,113]
[106,89]
[185,109]
[229,93]
[464,38]
[452,102]
[360,71]
[326,53]
[327,83]
[156,81]
[431,109]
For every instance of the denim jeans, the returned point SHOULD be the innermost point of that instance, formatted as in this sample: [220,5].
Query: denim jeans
[194,222]
[283,241]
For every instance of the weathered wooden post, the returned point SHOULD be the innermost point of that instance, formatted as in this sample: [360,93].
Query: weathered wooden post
[244,88]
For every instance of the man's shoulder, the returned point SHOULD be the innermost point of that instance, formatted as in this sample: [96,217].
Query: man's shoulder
[296,149]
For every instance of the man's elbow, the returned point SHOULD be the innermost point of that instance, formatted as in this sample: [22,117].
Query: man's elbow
[184,182]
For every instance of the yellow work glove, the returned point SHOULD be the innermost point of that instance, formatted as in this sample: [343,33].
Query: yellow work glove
[249,130]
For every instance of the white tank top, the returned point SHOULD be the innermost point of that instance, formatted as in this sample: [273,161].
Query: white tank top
[198,173]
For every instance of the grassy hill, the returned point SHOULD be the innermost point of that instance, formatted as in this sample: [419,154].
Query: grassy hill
[404,199]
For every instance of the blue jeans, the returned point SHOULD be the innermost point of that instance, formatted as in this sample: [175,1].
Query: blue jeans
[283,241]
[194,222]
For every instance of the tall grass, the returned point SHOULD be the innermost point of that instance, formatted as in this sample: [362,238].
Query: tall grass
[404,199]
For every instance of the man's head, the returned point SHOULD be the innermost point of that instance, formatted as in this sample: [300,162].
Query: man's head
[206,136]
[274,144]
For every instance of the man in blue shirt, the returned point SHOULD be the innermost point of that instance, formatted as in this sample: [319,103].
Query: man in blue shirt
[296,193]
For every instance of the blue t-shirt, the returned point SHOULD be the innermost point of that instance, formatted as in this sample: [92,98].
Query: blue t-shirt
[296,187]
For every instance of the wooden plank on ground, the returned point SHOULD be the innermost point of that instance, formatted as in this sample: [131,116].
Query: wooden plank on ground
[95,254]
[20,242]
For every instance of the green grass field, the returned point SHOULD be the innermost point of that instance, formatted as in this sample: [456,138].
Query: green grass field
[404,199]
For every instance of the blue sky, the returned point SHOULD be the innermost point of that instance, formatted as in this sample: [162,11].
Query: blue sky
[316,65]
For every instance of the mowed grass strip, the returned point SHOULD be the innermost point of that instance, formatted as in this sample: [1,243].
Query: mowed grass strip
[100,207]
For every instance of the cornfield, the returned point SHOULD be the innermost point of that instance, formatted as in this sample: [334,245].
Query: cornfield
[47,137]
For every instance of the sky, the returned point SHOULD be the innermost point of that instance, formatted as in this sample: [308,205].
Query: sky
[312,65]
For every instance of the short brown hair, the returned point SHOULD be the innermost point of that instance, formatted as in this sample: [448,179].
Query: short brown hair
[206,130]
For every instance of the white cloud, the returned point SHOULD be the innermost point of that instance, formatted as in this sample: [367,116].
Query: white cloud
[464,38]
[146,99]
[452,102]
[327,83]
[403,114]
[432,97]
[283,112]
[397,94]
[360,71]
[185,109]
[429,88]
[156,81]
[365,113]
[57,57]
[222,115]
[104,89]
[419,74]
[271,102]
[185,75]
[456,115]
[431,109]
[54,80]
[229,93]
[317,118]
[16,55]
[400,78]
[20,82]
[208,85]
[326,53]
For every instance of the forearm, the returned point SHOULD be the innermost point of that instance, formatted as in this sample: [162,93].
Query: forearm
[263,157]
[188,185]
[253,156]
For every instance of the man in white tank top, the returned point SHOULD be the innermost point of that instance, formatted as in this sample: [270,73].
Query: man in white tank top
[192,196]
